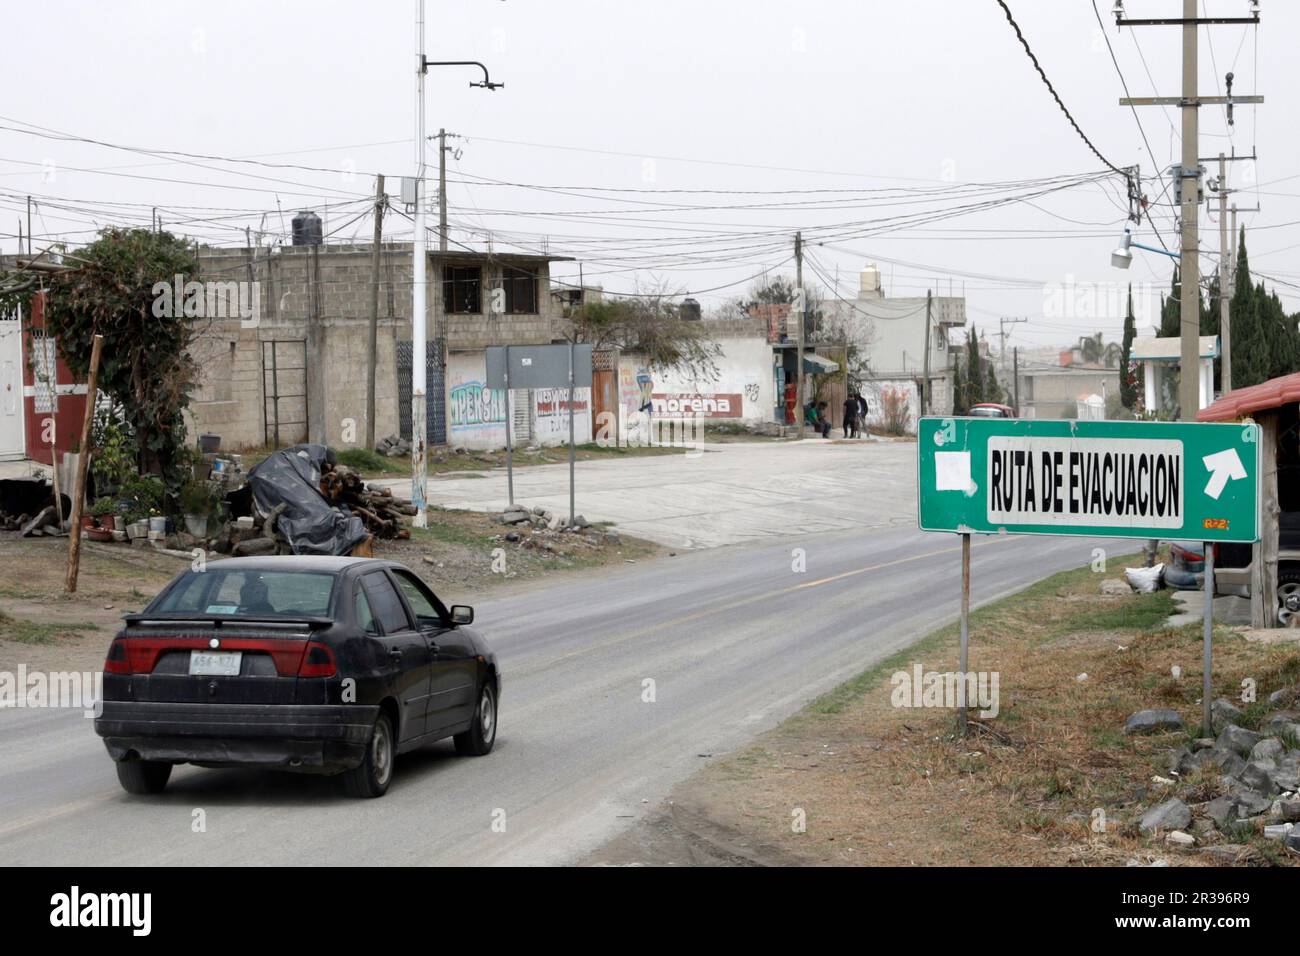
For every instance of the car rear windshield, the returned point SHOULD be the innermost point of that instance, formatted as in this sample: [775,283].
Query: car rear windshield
[249,593]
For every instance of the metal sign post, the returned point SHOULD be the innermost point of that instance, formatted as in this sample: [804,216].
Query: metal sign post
[539,366]
[1171,480]
[571,451]
[1207,648]
[510,451]
[964,660]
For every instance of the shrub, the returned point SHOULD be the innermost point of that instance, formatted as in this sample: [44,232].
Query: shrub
[895,418]
[362,459]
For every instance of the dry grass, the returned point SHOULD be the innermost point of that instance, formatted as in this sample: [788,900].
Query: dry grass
[898,786]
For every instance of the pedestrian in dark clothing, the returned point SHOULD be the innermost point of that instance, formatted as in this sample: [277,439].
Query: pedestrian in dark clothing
[862,417]
[851,417]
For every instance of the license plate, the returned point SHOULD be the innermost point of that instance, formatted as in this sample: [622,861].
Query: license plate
[215,663]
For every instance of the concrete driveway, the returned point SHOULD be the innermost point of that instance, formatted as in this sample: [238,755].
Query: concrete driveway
[726,494]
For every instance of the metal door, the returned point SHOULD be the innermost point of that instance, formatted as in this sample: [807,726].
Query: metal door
[435,391]
[11,386]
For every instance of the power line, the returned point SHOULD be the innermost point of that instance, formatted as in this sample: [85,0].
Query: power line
[1051,89]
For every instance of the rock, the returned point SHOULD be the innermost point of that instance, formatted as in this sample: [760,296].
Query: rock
[1258,775]
[1227,761]
[1204,830]
[1251,804]
[1153,721]
[1287,772]
[515,517]
[512,535]
[1179,838]
[1114,587]
[1280,723]
[1292,842]
[1224,712]
[611,537]
[1173,761]
[539,510]
[1173,814]
[1285,811]
[1222,810]
[1283,698]
[1237,739]
[579,522]
[1228,852]
[1203,743]
[428,559]
[1270,748]
[555,523]
[254,546]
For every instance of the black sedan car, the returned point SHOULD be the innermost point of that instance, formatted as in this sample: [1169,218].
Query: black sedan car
[309,664]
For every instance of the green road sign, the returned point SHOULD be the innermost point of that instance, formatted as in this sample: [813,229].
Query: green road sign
[1109,479]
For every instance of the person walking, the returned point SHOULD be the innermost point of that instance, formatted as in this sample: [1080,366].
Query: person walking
[862,416]
[851,416]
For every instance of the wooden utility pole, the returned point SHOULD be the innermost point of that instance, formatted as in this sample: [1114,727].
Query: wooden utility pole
[1189,182]
[1015,378]
[798,365]
[372,334]
[925,381]
[1225,322]
[442,190]
[83,459]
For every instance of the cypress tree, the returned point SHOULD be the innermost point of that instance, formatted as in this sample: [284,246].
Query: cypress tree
[1127,380]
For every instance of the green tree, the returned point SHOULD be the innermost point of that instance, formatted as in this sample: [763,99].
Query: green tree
[960,404]
[145,364]
[1128,376]
[975,378]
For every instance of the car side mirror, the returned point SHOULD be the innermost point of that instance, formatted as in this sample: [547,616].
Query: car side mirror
[462,614]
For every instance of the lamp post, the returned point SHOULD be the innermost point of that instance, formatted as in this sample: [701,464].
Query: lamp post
[419,289]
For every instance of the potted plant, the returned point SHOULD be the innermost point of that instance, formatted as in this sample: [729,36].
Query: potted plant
[196,500]
[103,514]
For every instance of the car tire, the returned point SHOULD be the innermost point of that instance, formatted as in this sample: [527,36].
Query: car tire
[482,733]
[1288,597]
[375,772]
[143,777]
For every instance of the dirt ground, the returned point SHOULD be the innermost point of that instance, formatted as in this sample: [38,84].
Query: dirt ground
[47,629]
[880,785]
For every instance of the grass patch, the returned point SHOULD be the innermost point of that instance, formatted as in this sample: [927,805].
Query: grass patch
[34,632]
[364,459]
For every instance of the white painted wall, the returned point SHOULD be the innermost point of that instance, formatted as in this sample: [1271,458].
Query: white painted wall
[744,368]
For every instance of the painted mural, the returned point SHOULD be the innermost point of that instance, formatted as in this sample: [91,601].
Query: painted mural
[475,407]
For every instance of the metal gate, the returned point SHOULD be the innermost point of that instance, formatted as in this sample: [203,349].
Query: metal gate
[284,390]
[435,406]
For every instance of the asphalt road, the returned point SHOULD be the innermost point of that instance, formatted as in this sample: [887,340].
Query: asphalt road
[733,639]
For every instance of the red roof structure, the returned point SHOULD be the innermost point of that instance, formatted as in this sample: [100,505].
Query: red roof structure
[1241,402]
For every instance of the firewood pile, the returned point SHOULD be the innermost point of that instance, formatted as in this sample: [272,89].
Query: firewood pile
[384,514]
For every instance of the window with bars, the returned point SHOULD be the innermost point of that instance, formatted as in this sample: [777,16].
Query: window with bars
[520,284]
[462,289]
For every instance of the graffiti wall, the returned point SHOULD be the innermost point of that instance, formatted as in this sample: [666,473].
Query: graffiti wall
[551,415]
[476,414]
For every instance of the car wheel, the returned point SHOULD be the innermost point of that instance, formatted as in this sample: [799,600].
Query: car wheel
[143,776]
[375,772]
[1288,598]
[482,734]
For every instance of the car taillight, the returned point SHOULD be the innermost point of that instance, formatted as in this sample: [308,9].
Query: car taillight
[318,661]
[116,662]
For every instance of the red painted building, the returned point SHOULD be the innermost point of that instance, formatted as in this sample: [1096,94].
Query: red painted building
[35,412]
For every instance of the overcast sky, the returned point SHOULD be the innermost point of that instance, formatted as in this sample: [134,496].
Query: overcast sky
[629,112]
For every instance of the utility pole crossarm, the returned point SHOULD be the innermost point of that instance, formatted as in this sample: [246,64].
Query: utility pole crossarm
[1190,100]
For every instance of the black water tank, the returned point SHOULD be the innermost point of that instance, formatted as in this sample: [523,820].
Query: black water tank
[306,229]
[691,310]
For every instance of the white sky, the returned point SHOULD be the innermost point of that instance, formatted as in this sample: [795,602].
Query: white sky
[672,95]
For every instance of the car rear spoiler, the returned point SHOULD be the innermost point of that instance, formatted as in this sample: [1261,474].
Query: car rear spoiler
[217,620]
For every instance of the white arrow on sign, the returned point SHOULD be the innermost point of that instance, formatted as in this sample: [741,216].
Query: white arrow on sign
[1223,466]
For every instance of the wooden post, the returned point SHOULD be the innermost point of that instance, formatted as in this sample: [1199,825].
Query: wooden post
[1263,569]
[79,492]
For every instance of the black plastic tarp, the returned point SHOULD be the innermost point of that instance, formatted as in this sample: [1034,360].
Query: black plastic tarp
[311,524]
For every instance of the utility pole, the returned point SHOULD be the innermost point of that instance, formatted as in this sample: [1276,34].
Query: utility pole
[442,190]
[1225,321]
[1015,380]
[1002,335]
[419,307]
[372,335]
[925,368]
[1189,180]
[798,374]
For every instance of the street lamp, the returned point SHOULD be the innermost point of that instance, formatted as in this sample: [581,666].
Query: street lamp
[419,334]
[1122,257]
